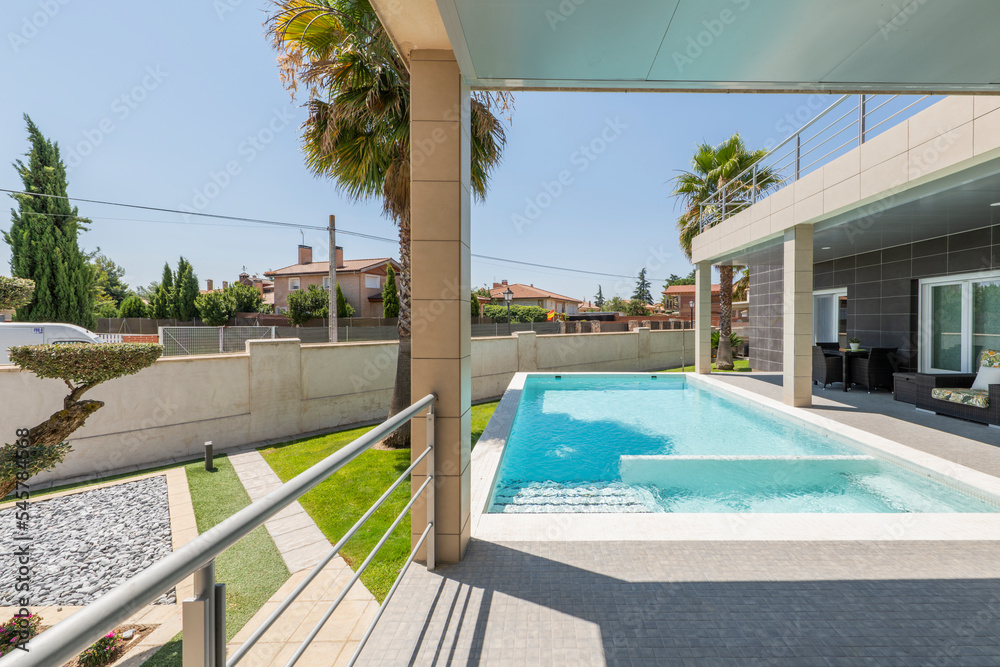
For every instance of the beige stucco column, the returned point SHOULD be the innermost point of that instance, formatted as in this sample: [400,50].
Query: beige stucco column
[440,279]
[703,318]
[798,316]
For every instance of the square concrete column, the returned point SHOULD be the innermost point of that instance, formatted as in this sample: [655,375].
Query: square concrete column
[440,153]
[703,318]
[797,332]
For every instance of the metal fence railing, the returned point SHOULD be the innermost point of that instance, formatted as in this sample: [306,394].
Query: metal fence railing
[501,328]
[186,341]
[846,124]
[204,626]
[182,341]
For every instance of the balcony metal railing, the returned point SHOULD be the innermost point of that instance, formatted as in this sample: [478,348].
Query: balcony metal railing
[204,625]
[849,122]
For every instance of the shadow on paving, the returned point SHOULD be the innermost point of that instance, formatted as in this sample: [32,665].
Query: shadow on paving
[792,603]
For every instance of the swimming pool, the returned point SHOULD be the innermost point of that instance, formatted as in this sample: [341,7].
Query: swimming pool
[640,443]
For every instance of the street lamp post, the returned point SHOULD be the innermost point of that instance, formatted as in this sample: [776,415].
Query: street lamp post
[691,313]
[508,296]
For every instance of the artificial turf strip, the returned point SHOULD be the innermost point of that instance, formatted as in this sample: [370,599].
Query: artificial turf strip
[252,569]
[339,501]
[739,366]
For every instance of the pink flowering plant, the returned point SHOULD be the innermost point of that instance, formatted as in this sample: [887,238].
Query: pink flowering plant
[102,652]
[17,630]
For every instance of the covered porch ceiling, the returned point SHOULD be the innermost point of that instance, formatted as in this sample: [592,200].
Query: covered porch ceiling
[707,45]
[960,203]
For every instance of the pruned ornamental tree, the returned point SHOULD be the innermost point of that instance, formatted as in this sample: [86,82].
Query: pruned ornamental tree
[82,367]
[15,292]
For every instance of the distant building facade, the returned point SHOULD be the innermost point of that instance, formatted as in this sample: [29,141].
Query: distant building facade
[361,280]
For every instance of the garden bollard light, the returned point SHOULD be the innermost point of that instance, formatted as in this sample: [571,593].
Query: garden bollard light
[208,456]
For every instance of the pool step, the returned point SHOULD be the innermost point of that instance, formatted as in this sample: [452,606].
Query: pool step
[548,497]
[717,473]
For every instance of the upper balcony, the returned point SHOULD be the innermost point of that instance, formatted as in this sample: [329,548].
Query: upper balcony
[869,172]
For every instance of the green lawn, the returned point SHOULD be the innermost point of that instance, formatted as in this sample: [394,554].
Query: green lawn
[340,501]
[740,366]
[252,569]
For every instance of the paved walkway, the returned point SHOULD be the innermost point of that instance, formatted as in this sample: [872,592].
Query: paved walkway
[878,602]
[302,546]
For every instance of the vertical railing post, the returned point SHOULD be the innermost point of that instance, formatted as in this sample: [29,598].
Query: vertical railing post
[219,624]
[198,624]
[861,119]
[429,462]
[753,190]
[798,155]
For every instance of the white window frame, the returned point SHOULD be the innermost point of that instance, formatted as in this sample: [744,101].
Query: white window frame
[966,280]
[835,291]
[378,281]
[294,284]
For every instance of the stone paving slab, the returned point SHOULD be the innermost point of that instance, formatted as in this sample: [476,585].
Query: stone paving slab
[698,603]
[301,543]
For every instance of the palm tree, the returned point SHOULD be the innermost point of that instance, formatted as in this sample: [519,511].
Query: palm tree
[358,129]
[720,175]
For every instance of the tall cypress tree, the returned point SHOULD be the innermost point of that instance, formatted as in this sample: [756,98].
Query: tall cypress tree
[163,300]
[185,291]
[43,240]
[390,293]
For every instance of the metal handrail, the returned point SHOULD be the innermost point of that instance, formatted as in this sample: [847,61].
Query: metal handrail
[718,207]
[63,641]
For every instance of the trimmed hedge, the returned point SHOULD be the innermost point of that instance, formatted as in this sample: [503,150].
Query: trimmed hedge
[86,363]
[15,292]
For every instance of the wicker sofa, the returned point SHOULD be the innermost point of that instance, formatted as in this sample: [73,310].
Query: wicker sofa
[928,382]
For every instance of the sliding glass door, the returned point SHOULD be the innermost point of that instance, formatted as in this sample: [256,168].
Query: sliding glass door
[960,316]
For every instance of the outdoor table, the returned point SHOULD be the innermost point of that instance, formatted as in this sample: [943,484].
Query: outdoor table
[846,354]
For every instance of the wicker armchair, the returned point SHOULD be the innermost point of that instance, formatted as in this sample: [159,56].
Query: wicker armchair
[826,369]
[875,370]
[830,348]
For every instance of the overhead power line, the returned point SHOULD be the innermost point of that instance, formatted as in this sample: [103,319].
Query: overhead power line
[295,225]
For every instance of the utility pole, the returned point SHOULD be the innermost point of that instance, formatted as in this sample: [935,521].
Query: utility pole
[333,279]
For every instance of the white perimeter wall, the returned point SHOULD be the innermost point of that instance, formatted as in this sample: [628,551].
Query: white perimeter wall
[280,389]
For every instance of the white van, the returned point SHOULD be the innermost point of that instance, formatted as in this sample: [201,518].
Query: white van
[32,333]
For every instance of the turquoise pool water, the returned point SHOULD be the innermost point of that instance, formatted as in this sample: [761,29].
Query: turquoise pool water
[657,443]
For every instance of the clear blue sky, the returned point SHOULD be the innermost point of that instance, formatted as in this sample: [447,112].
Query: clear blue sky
[148,100]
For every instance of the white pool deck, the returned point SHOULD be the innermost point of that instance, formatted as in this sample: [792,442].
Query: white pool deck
[804,527]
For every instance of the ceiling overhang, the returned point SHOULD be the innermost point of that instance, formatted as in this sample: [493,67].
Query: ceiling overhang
[958,203]
[708,45]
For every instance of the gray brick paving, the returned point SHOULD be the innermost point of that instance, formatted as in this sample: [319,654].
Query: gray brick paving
[699,603]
